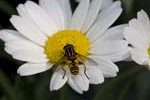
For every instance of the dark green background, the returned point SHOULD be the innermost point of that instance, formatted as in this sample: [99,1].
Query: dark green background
[132,82]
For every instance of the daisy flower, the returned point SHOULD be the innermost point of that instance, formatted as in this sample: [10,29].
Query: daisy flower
[138,35]
[80,46]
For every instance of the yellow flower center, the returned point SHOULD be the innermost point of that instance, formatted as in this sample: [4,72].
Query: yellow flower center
[56,43]
[148,50]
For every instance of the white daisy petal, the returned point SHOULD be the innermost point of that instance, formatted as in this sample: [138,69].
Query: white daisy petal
[79,15]
[139,28]
[30,68]
[65,4]
[55,10]
[35,56]
[41,18]
[9,35]
[109,43]
[74,86]
[94,9]
[141,57]
[23,12]
[81,80]
[107,67]
[107,3]
[58,80]
[109,47]
[15,45]
[95,75]
[114,33]
[28,30]
[144,19]
[138,42]
[118,56]
[105,20]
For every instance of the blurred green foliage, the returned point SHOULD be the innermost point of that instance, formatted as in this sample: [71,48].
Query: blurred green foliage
[6,7]
[132,82]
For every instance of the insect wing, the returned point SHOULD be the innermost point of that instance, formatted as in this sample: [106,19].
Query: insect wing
[91,62]
[88,60]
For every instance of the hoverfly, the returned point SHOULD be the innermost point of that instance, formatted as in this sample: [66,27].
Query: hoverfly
[73,60]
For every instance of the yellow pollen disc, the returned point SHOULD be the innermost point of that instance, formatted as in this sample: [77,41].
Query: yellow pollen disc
[55,44]
[148,50]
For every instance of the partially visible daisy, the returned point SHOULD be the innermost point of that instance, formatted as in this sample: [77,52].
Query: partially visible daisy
[48,33]
[138,35]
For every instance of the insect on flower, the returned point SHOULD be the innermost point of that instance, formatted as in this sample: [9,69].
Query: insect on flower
[80,46]
[73,60]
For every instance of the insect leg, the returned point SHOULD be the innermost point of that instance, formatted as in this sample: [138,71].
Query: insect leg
[84,70]
[64,73]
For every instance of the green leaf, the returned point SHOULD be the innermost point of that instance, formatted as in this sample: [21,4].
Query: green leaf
[125,90]
[143,86]
[116,81]
[7,86]
[64,93]
[25,87]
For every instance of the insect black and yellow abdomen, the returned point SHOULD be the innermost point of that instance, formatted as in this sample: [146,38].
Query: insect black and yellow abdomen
[74,70]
